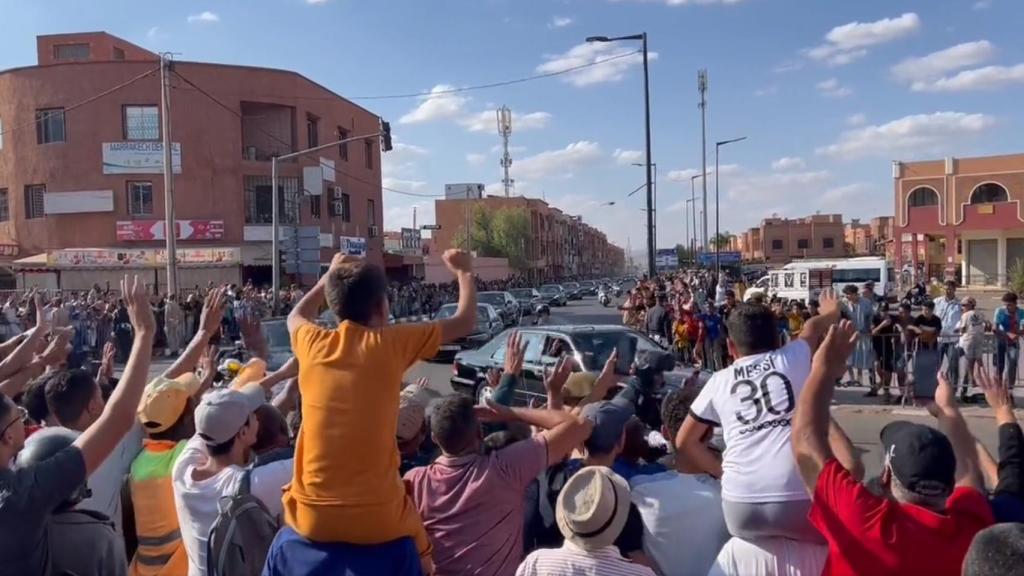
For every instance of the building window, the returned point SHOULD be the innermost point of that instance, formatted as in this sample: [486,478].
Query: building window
[314,205]
[259,202]
[368,145]
[71,52]
[922,196]
[5,206]
[312,130]
[989,193]
[140,198]
[50,125]
[343,147]
[118,53]
[802,244]
[776,245]
[34,201]
[141,123]
[371,212]
[828,243]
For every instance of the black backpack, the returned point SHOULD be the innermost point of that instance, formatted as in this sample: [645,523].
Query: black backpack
[240,537]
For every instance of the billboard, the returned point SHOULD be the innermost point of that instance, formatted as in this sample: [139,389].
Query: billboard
[352,245]
[144,230]
[463,191]
[138,157]
[411,241]
[725,258]
[666,259]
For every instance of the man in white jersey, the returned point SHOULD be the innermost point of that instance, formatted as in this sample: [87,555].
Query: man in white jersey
[753,401]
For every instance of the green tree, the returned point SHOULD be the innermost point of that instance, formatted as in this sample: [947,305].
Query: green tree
[498,234]
[720,241]
[684,254]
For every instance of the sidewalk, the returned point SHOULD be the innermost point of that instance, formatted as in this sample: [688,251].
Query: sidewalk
[852,400]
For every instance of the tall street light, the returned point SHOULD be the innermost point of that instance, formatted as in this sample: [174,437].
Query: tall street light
[718,239]
[690,205]
[693,198]
[642,37]
[654,229]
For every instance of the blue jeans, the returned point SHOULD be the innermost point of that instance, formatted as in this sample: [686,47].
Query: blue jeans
[1006,361]
[291,554]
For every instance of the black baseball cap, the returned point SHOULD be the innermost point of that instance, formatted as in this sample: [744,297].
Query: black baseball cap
[920,457]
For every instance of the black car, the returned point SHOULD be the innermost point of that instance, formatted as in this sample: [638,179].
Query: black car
[590,345]
[572,291]
[488,324]
[506,305]
[554,295]
[528,299]
[588,288]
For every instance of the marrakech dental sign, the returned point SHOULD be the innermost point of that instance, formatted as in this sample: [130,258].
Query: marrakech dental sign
[138,157]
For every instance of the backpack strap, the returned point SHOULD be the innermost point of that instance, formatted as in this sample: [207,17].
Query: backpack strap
[245,484]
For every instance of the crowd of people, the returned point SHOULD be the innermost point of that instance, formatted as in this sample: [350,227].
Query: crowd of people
[333,465]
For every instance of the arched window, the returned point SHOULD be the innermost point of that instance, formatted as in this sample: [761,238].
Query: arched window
[989,193]
[923,196]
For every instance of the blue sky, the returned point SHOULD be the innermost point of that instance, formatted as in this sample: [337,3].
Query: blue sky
[827,91]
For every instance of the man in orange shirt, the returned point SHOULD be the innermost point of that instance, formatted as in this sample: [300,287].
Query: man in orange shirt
[346,493]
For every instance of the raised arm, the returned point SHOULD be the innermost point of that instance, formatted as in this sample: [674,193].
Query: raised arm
[1010,469]
[100,439]
[952,424]
[815,328]
[812,421]
[561,430]
[209,325]
[691,445]
[23,354]
[460,263]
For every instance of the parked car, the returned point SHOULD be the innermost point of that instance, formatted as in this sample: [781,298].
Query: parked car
[588,288]
[572,291]
[506,305]
[589,345]
[554,294]
[528,299]
[488,324]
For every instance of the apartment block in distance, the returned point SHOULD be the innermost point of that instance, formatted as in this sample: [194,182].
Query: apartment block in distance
[782,240]
[81,185]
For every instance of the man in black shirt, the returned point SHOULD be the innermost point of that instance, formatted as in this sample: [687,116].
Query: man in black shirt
[659,323]
[30,494]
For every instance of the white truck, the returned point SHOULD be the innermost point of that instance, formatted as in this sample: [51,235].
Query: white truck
[804,279]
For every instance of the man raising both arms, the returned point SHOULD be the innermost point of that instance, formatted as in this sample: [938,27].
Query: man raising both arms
[345,489]
[753,401]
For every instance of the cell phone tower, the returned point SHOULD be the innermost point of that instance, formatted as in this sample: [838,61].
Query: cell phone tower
[504,116]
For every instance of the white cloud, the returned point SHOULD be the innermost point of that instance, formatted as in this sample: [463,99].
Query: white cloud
[486,121]
[155,34]
[848,195]
[917,134]
[558,163]
[787,66]
[401,149]
[499,149]
[588,53]
[767,91]
[437,106]
[987,78]
[833,89]
[789,163]
[560,21]
[856,119]
[398,211]
[849,42]
[982,5]
[936,64]
[204,17]
[685,175]
[628,156]
[316,2]
[474,159]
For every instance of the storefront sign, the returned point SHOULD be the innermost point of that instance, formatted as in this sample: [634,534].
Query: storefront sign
[99,257]
[352,246]
[143,230]
[9,250]
[138,157]
[203,256]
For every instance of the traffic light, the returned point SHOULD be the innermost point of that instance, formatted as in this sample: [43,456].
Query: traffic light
[385,136]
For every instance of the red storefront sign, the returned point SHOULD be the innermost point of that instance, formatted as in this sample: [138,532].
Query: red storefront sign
[144,230]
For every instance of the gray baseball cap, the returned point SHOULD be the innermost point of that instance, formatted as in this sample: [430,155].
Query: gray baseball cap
[222,413]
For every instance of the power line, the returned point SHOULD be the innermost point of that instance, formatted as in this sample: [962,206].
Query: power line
[67,109]
[307,155]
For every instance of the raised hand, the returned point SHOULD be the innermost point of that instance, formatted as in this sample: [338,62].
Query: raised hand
[339,260]
[491,411]
[828,302]
[493,378]
[554,380]
[213,310]
[607,378]
[840,340]
[945,397]
[137,302]
[515,351]
[997,395]
[107,360]
[458,260]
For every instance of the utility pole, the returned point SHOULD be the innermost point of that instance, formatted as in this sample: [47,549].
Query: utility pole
[414,218]
[169,227]
[702,87]
[505,130]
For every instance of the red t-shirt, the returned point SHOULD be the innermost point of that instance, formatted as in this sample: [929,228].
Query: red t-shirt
[871,535]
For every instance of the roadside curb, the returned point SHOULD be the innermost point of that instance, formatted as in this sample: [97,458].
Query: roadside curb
[911,412]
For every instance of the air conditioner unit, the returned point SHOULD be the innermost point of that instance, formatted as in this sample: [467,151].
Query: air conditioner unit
[337,192]
[373,232]
[337,207]
[250,153]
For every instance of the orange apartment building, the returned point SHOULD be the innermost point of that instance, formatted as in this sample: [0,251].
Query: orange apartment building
[559,245]
[81,187]
[960,217]
[781,240]
[857,238]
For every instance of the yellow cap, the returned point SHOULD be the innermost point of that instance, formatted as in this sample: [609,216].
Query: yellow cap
[253,371]
[163,401]
[580,384]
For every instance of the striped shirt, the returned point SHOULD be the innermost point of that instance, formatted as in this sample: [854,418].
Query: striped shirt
[571,560]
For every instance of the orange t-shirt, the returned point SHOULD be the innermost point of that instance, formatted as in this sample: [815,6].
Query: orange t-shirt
[346,486]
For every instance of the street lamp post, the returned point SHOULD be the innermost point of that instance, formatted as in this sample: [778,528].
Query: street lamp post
[642,37]
[654,229]
[693,198]
[718,239]
[686,217]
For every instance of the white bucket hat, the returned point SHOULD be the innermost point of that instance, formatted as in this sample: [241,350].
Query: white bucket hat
[592,507]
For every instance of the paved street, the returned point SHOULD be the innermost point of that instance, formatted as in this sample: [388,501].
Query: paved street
[861,418]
